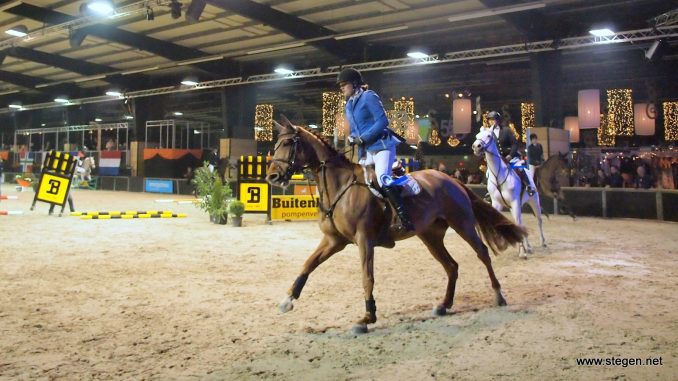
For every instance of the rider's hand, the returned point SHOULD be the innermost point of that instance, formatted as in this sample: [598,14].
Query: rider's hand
[355,140]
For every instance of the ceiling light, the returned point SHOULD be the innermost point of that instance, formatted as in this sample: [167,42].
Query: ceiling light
[370,32]
[283,71]
[199,60]
[15,106]
[274,48]
[114,93]
[17,31]
[189,82]
[312,126]
[61,100]
[496,11]
[97,119]
[417,55]
[128,117]
[605,32]
[178,113]
[101,7]
[42,124]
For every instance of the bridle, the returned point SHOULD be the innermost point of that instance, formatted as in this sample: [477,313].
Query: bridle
[292,167]
[483,149]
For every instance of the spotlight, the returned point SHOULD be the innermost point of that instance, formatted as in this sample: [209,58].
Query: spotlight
[101,7]
[283,71]
[17,31]
[175,9]
[150,16]
[603,32]
[417,55]
[655,51]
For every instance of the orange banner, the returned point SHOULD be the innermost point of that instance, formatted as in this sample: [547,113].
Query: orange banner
[170,154]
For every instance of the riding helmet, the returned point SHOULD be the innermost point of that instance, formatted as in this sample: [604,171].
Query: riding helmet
[350,75]
[494,116]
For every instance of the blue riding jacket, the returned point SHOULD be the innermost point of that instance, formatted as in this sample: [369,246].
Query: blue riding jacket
[367,118]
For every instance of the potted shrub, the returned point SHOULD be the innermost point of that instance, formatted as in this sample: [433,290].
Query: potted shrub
[236,208]
[213,194]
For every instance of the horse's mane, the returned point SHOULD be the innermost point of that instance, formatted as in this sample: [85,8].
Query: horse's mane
[326,143]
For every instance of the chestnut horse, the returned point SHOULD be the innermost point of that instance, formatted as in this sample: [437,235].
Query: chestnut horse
[350,213]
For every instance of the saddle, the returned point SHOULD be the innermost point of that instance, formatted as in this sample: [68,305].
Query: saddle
[407,184]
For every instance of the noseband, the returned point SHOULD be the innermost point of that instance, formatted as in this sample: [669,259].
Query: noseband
[291,159]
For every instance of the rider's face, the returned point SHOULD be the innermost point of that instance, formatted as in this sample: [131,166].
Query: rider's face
[346,88]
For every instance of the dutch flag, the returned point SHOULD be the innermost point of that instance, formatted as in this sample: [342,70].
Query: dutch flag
[109,163]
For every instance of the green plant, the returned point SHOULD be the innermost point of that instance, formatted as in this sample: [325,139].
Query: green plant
[236,208]
[213,193]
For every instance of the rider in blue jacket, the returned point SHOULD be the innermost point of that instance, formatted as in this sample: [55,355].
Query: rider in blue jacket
[376,143]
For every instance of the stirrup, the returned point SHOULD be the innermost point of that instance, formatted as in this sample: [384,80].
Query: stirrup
[530,191]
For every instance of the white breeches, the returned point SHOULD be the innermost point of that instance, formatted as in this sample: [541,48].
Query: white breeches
[382,161]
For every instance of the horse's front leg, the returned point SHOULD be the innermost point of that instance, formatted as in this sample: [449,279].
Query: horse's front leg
[328,246]
[517,213]
[366,247]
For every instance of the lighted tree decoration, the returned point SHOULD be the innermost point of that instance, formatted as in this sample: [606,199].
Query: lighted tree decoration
[263,123]
[670,121]
[620,111]
[527,118]
[435,137]
[606,133]
[333,112]
[453,141]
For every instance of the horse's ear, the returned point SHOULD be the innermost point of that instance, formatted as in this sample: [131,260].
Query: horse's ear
[279,127]
[287,122]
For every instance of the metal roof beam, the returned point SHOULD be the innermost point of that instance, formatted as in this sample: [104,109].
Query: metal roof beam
[294,26]
[161,48]
[466,55]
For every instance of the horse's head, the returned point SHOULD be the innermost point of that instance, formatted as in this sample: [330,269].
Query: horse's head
[484,139]
[291,154]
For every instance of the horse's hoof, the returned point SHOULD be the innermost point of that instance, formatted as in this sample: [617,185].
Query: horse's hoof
[359,329]
[439,311]
[286,305]
[501,301]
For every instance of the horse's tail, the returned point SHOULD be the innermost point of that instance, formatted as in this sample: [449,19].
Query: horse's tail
[498,231]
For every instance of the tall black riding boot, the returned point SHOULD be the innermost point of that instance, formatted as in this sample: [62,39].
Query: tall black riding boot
[396,200]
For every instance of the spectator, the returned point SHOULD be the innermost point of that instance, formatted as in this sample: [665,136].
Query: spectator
[615,180]
[458,175]
[535,153]
[442,167]
[601,181]
[644,180]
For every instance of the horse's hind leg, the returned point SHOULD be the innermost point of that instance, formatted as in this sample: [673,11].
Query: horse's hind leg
[433,239]
[328,246]
[535,204]
[467,231]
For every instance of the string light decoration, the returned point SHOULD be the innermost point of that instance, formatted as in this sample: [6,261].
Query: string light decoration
[333,110]
[412,133]
[527,118]
[670,121]
[512,126]
[486,122]
[263,123]
[606,133]
[406,105]
[434,140]
[401,116]
[620,111]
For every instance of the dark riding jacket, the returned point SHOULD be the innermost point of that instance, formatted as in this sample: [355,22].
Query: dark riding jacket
[508,145]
